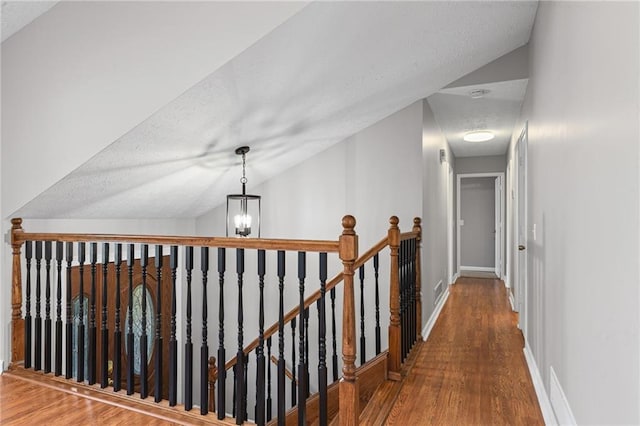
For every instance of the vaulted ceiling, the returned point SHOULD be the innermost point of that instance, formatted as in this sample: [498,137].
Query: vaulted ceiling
[319,74]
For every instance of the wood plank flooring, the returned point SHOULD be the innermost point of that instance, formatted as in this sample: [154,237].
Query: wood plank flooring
[25,403]
[472,369]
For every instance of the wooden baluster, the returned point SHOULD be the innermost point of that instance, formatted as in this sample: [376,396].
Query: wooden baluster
[28,252]
[188,346]
[260,383]
[104,328]
[240,394]
[47,307]
[58,360]
[334,345]
[281,366]
[418,286]
[405,298]
[158,345]
[363,342]
[18,325]
[38,319]
[402,281]
[322,331]
[213,375]
[294,393]
[93,257]
[222,372]
[395,342]
[80,341]
[412,291]
[117,334]
[349,392]
[131,258]
[69,316]
[269,400]
[302,366]
[173,343]
[204,349]
[144,385]
[376,264]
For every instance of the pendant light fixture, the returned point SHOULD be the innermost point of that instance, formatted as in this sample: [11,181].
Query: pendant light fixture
[243,210]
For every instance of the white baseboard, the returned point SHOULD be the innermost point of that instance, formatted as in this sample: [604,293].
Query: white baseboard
[559,401]
[511,300]
[477,269]
[1,366]
[538,385]
[455,277]
[434,316]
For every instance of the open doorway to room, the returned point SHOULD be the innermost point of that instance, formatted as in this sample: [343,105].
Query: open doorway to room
[480,224]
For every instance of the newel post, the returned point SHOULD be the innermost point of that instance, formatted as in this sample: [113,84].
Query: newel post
[417,228]
[17,322]
[213,376]
[395,333]
[349,393]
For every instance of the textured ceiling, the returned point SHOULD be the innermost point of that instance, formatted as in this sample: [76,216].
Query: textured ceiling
[457,113]
[326,73]
[17,14]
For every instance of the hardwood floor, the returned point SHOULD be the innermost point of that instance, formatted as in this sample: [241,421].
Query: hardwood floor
[25,403]
[472,369]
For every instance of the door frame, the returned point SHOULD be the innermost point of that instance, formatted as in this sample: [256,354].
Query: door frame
[498,241]
[451,270]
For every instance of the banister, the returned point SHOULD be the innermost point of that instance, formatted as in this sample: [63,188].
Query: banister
[313,298]
[409,235]
[226,242]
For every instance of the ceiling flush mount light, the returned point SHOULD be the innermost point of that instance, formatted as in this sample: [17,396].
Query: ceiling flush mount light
[479,136]
[243,210]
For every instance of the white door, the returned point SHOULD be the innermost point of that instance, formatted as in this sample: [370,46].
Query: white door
[521,206]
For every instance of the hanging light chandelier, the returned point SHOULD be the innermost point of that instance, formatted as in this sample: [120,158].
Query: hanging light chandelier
[243,210]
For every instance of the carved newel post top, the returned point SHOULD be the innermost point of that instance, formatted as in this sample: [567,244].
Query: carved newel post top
[393,220]
[417,225]
[348,225]
[16,223]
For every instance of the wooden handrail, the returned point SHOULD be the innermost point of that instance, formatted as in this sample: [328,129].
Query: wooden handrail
[226,242]
[409,235]
[315,296]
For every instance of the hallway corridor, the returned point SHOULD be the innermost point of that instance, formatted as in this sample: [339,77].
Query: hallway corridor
[472,370]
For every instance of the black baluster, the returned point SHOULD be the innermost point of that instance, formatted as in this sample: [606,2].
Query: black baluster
[405,327]
[240,394]
[235,387]
[69,317]
[281,365]
[158,345]
[246,385]
[93,256]
[117,334]
[173,343]
[104,330]
[28,251]
[403,300]
[222,372]
[80,360]
[188,346]
[322,331]
[47,307]
[302,366]
[306,351]
[204,349]
[294,390]
[38,319]
[58,361]
[260,388]
[269,400]
[131,258]
[334,346]
[363,342]
[144,386]
[376,264]
[412,293]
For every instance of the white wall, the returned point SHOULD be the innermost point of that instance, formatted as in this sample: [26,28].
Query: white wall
[434,209]
[582,107]
[372,175]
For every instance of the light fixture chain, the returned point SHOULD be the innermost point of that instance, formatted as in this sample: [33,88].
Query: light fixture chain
[243,180]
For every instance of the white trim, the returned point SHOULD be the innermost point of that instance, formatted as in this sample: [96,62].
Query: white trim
[478,269]
[1,366]
[511,300]
[455,277]
[538,385]
[434,316]
[559,401]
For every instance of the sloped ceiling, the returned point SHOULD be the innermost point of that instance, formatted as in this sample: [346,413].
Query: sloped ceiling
[327,72]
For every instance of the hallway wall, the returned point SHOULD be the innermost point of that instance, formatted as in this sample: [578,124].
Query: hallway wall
[582,107]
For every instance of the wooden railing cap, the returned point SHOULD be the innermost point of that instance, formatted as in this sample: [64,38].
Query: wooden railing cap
[348,225]
[393,220]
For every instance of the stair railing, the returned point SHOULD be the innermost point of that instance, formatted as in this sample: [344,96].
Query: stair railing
[405,321]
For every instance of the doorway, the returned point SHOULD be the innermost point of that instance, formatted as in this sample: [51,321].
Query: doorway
[520,229]
[480,223]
